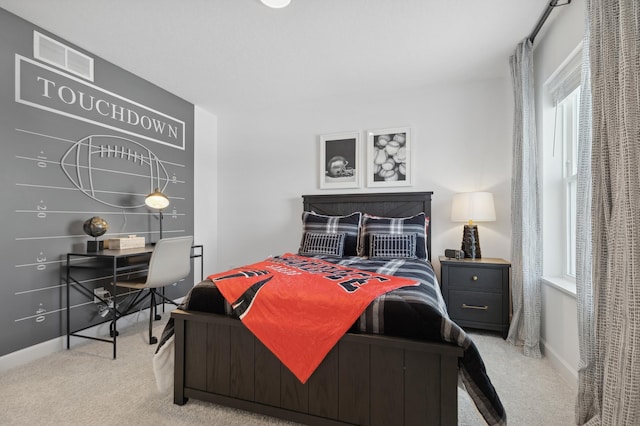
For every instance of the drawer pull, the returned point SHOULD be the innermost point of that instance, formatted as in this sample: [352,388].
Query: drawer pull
[482,308]
[474,278]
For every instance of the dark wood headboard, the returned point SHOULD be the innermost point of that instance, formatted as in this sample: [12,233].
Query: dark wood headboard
[390,204]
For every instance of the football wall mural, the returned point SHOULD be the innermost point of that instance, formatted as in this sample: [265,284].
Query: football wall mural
[81,138]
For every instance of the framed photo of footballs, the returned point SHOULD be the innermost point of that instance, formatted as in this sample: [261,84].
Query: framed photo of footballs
[339,160]
[389,157]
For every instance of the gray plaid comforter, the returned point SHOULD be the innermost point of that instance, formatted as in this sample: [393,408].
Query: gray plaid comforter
[417,312]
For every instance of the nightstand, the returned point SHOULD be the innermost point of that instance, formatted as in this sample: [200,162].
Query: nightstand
[476,292]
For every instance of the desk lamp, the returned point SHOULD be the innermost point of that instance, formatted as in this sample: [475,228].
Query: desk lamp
[469,207]
[157,200]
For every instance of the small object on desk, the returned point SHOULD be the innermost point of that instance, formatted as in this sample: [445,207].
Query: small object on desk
[95,227]
[126,243]
[95,245]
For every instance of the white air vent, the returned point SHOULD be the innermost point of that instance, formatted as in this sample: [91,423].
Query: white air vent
[53,52]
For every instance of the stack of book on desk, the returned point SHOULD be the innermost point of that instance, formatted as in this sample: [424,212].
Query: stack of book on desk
[124,243]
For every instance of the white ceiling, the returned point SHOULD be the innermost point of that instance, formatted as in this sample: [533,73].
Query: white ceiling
[229,55]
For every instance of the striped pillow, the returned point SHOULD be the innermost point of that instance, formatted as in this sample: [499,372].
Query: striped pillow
[388,246]
[349,225]
[417,224]
[322,243]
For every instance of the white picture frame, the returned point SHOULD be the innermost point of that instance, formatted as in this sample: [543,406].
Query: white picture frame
[389,161]
[340,160]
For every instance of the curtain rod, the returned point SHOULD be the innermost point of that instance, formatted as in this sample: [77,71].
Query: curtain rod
[545,15]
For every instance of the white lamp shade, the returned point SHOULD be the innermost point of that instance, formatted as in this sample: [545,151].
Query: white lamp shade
[473,206]
[276,4]
[157,200]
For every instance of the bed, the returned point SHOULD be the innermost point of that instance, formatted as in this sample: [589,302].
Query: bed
[368,379]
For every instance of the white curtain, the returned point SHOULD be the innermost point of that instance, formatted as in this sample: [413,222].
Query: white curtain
[526,244]
[614,37]
[585,404]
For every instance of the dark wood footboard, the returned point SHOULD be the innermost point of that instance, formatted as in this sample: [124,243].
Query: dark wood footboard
[366,380]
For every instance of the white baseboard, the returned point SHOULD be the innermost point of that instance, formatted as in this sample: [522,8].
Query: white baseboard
[35,352]
[568,373]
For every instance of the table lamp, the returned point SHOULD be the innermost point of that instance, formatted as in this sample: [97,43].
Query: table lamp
[157,200]
[469,207]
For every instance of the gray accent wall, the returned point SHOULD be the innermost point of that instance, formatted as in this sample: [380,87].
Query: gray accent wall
[73,148]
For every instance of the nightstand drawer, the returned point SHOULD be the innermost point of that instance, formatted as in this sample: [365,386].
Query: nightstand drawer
[476,278]
[474,306]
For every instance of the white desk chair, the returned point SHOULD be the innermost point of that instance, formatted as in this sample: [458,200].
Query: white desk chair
[170,262]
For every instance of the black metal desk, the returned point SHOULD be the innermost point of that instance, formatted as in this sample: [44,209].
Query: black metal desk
[118,262]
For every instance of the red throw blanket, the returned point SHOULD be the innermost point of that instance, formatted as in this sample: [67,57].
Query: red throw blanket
[299,307]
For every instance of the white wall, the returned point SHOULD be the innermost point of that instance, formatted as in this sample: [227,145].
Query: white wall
[205,193]
[559,328]
[269,158]
[559,331]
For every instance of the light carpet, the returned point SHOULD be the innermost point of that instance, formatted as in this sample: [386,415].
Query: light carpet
[85,386]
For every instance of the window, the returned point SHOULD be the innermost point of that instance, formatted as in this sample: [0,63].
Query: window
[567,132]
[560,121]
